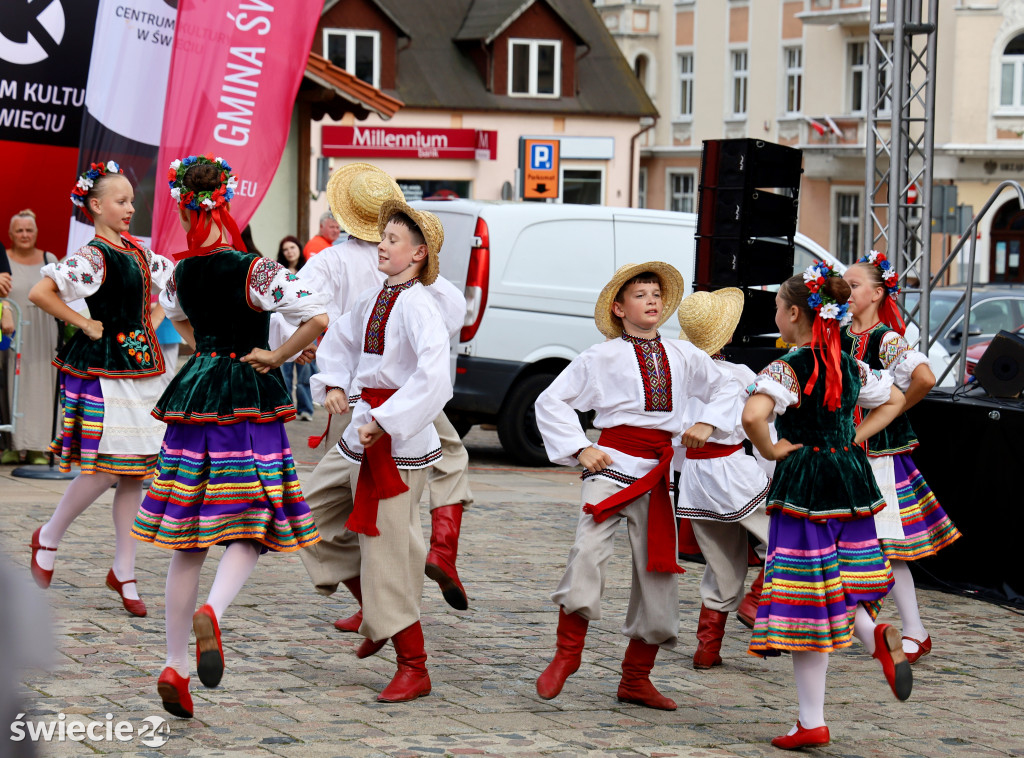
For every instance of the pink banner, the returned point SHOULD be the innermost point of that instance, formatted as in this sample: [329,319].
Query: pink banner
[235,71]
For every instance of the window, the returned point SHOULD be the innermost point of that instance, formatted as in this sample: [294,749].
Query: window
[847,247]
[1011,81]
[794,58]
[641,188]
[534,67]
[583,186]
[682,186]
[685,84]
[356,51]
[739,83]
[856,56]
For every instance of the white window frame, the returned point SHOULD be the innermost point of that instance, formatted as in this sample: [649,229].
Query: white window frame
[739,78]
[670,195]
[689,77]
[350,49]
[1017,95]
[534,44]
[853,68]
[790,73]
[837,219]
[563,167]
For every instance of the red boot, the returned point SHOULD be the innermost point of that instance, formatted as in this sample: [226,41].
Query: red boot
[747,612]
[710,631]
[445,525]
[635,685]
[572,630]
[369,647]
[353,622]
[411,680]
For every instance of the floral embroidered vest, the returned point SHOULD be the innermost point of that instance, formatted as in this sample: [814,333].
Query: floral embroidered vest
[128,348]
[899,436]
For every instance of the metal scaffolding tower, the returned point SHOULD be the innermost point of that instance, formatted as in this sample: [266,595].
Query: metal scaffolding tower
[900,140]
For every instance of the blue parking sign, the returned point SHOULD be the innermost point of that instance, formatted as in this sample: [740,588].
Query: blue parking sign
[541,157]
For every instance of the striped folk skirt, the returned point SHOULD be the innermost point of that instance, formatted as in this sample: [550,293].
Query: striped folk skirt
[106,426]
[816,574]
[926,527]
[219,483]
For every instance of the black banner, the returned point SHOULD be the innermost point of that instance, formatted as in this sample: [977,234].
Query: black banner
[45,48]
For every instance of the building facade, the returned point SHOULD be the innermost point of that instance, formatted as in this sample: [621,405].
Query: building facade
[795,72]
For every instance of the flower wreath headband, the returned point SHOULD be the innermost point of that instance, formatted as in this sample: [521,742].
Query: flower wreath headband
[86,181]
[825,333]
[207,207]
[888,311]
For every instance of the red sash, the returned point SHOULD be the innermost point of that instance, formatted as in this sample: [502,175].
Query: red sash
[378,476]
[712,450]
[661,526]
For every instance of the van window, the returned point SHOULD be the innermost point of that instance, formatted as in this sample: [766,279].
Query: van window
[565,259]
[458,238]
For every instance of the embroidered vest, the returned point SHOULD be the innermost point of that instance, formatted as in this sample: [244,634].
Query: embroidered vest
[898,437]
[128,348]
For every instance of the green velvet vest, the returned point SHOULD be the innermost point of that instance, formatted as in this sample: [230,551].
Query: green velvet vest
[829,477]
[899,436]
[128,348]
[215,386]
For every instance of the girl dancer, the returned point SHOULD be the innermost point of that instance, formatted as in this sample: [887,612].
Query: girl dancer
[110,373]
[825,571]
[226,470]
[914,525]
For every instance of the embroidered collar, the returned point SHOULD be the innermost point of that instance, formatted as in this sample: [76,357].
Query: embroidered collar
[641,340]
[866,331]
[719,357]
[389,288]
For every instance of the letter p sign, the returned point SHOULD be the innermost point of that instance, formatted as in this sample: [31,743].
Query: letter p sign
[540,157]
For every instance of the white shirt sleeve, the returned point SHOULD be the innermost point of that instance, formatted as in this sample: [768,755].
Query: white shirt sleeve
[451,303]
[272,287]
[338,355]
[556,407]
[899,359]
[169,300]
[778,381]
[713,387]
[79,275]
[876,387]
[161,269]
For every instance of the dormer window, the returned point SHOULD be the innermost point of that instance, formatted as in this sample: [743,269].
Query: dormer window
[356,51]
[534,67]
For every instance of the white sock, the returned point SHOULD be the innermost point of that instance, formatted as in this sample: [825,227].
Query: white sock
[127,498]
[80,494]
[864,628]
[809,669]
[235,566]
[180,603]
[905,595]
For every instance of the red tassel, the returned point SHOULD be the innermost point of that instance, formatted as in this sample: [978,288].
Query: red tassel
[314,440]
[889,313]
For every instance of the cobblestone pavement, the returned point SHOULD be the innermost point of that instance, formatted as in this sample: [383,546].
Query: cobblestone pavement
[293,686]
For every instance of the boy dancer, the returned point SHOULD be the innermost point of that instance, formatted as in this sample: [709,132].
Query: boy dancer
[390,350]
[356,192]
[722,490]
[637,383]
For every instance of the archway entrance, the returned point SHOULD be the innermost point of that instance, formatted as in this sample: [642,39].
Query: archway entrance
[1007,247]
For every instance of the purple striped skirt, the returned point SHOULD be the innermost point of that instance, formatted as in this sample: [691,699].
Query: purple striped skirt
[926,527]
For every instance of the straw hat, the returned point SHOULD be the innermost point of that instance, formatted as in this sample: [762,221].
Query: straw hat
[355,192]
[608,323]
[708,319]
[430,226]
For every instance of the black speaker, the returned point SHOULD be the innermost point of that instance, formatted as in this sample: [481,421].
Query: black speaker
[747,262]
[1001,369]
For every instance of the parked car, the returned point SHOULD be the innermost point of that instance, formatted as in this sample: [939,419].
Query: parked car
[974,352]
[532,273]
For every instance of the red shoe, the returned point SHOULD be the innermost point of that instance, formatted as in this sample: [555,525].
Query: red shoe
[353,622]
[803,738]
[368,647]
[174,693]
[411,680]
[635,686]
[710,631]
[747,612]
[209,651]
[572,631]
[895,666]
[41,575]
[445,527]
[923,648]
[134,607]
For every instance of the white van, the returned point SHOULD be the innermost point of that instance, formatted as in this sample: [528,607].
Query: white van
[532,273]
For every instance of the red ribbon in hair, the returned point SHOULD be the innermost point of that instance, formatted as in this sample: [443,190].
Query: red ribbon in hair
[825,346]
[661,527]
[889,314]
[378,476]
[199,230]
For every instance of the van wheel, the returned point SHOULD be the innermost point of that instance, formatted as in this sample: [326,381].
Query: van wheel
[517,421]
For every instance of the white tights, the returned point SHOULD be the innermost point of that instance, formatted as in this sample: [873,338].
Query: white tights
[905,595]
[182,591]
[83,491]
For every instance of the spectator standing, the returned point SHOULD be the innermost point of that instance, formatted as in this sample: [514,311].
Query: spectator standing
[330,230]
[289,255]
[32,433]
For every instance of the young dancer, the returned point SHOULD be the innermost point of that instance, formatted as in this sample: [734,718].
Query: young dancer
[390,350]
[110,373]
[638,384]
[914,525]
[343,271]
[226,471]
[825,570]
[722,490]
